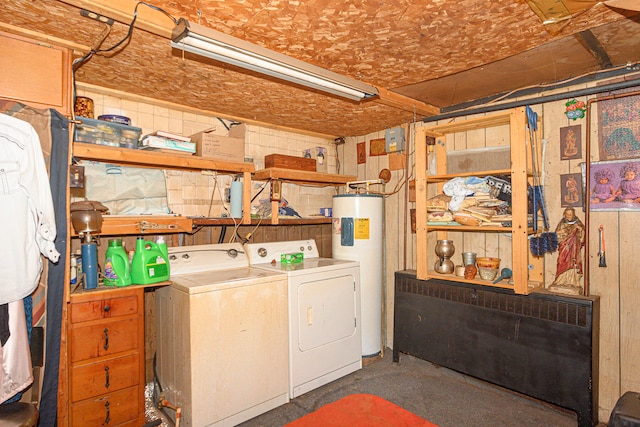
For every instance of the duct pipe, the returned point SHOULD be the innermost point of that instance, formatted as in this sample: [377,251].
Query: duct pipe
[533,101]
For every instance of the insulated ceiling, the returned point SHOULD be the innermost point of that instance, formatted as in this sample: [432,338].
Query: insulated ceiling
[442,53]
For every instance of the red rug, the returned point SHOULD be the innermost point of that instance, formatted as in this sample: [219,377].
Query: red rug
[361,410]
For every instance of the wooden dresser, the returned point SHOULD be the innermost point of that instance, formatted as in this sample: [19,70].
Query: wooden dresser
[106,357]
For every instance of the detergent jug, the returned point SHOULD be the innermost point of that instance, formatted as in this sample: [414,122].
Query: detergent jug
[117,271]
[149,264]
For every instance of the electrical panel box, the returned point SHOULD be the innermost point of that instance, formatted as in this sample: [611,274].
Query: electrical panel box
[394,139]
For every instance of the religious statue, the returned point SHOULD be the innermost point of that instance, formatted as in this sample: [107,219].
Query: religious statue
[570,232]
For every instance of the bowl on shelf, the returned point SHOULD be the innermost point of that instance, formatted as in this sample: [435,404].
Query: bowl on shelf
[123,120]
[488,262]
[487,273]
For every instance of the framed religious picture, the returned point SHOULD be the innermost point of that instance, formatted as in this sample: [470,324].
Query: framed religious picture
[570,143]
[614,185]
[361,149]
[571,190]
[619,128]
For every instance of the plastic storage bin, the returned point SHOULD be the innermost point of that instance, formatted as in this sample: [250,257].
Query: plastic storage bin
[106,133]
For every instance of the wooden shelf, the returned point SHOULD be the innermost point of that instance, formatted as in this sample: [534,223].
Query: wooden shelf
[492,120]
[77,291]
[448,177]
[264,221]
[528,271]
[299,177]
[146,158]
[463,228]
[114,225]
[505,284]
[303,177]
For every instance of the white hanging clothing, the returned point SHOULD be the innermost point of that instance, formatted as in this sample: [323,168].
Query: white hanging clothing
[15,357]
[27,220]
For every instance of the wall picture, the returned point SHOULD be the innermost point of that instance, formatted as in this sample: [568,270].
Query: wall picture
[377,147]
[570,142]
[361,149]
[571,189]
[619,128]
[614,185]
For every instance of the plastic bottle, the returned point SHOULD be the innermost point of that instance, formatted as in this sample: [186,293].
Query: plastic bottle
[90,265]
[79,271]
[162,246]
[73,275]
[149,264]
[117,271]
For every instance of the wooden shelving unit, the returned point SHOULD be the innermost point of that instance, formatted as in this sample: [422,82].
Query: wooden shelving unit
[302,178]
[528,271]
[145,158]
[144,224]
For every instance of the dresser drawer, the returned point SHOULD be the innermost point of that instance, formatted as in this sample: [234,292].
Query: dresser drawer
[108,410]
[94,379]
[104,339]
[104,308]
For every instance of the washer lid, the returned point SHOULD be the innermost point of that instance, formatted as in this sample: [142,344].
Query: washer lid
[210,281]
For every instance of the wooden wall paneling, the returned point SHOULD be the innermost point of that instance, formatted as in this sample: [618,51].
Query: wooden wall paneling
[553,119]
[606,282]
[393,252]
[410,256]
[498,136]
[347,156]
[629,245]
[609,284]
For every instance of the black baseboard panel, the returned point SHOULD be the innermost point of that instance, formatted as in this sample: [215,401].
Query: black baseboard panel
[542,345]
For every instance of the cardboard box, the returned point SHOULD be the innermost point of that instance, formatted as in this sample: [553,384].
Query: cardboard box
[238,131]
[219,147]
[289,162]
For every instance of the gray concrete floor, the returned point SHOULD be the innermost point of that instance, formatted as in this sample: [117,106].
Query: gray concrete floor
[440,395]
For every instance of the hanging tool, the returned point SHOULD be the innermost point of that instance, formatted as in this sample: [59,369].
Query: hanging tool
[546,241]
[603,260]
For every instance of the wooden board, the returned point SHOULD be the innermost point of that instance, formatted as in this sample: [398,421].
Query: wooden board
[289,162]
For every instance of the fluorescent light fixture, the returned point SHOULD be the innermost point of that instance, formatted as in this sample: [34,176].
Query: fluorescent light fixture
[222,47]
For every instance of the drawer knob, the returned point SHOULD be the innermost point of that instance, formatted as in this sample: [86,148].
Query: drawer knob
[106,377]
[107,417]
[107,308]
[106,338]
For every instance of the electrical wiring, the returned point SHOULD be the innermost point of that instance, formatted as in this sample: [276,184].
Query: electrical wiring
[568,80]
[80,61]
[215,186]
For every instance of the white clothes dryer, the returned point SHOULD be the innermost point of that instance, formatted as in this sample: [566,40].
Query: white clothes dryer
[324,312]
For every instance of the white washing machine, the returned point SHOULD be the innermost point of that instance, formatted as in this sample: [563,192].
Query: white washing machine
[222,353]
[324,312]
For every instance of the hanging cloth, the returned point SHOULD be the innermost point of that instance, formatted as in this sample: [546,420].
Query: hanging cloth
[27,217]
